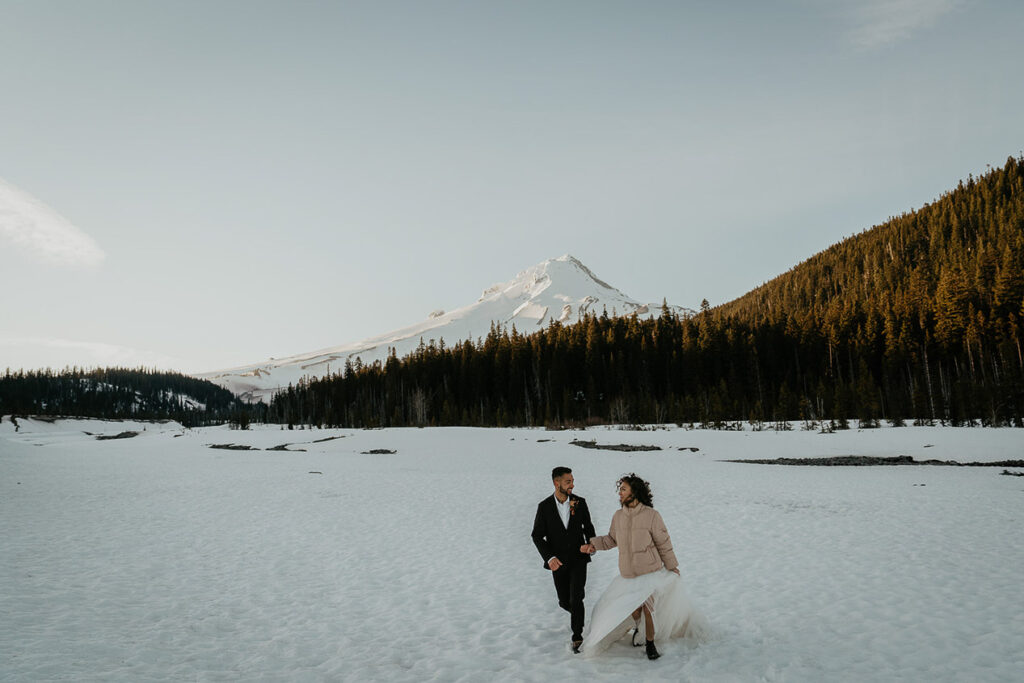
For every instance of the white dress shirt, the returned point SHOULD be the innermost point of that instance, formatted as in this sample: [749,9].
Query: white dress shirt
[564,510]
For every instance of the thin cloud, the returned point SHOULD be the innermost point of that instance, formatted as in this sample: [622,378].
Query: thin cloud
[42,352]
[42,232]
[882,22]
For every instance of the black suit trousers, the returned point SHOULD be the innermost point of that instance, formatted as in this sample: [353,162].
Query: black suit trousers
[570,582]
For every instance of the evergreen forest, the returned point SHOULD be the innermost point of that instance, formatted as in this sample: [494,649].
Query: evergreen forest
[917,319]
[119,393]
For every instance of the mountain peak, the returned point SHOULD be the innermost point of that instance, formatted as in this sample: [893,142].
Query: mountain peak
[569,258]
[562,289]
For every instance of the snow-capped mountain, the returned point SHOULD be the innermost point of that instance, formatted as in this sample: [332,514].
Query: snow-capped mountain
[561,289]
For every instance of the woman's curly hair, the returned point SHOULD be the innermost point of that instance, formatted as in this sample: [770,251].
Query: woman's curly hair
[640,488]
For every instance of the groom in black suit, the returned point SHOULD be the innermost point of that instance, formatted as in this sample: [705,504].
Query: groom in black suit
[561,527]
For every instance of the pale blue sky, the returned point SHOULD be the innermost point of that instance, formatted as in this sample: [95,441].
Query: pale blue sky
[268,178]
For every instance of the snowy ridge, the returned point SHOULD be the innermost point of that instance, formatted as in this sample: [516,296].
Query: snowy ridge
[185,400]
[561,289]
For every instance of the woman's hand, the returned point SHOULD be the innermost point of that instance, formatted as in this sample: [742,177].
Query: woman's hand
[588,549]
[676,570]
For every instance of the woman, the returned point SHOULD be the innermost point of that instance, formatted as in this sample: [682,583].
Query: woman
[648,584]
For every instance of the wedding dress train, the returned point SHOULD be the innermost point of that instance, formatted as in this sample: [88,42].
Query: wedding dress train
[673,614]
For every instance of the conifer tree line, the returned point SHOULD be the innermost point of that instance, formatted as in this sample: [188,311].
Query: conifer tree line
[918,319]
[118,393]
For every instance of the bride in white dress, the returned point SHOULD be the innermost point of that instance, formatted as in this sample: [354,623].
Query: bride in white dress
[647,597]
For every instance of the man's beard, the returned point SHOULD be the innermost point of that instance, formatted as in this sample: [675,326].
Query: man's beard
[564,492]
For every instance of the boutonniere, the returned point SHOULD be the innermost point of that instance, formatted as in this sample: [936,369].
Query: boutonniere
[572,507]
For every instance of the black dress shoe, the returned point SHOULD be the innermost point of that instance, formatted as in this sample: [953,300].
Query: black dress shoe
[652,652]
[576,646]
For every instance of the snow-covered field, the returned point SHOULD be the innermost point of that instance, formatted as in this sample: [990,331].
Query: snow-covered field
[158,558]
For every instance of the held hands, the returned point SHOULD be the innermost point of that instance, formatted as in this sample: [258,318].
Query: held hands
[589,549]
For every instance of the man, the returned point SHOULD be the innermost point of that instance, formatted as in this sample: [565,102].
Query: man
[562,526]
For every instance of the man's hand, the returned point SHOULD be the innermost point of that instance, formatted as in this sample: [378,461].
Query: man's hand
[554,563]
[589,549]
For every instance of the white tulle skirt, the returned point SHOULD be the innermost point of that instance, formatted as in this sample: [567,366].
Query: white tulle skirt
[673,614]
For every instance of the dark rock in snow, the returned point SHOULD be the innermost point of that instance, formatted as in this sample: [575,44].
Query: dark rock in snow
[122,435]
[617,447]
[869,460]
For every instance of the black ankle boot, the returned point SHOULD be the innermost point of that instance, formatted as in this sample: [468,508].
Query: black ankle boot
[652,652]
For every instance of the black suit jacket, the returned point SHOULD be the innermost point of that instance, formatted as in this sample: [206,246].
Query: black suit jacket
[553,539]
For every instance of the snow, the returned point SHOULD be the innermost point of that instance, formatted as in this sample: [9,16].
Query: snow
[159,558]
[561,288]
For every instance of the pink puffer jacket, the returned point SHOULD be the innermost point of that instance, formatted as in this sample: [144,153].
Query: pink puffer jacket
[643,541]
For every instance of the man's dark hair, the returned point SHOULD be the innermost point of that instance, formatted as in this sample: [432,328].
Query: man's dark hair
[559,472]
[640,488]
